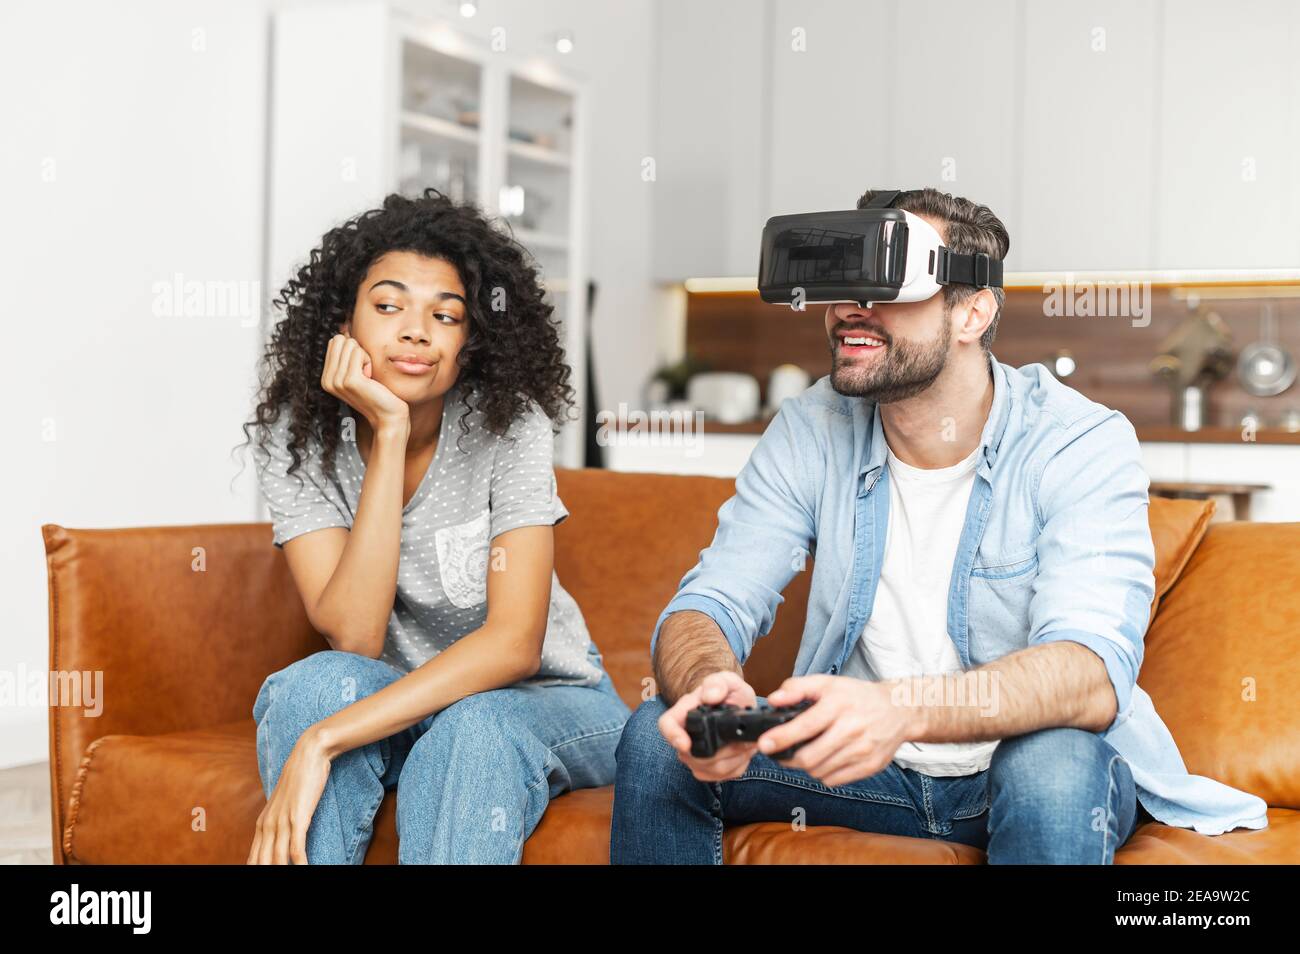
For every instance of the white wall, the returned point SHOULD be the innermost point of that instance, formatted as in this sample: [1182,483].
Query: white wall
[710,136]
[134,150]
[1107,134]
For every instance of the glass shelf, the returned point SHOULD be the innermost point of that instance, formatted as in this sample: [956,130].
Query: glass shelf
[439,86]
[540,123]
[439,137]
[535,194]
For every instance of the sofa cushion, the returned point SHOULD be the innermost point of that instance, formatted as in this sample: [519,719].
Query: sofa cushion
[1220,660]
[189,797]
[1157,844]
[197,795]
[136,800]
[777,843]
[1177,527]
[1152,844]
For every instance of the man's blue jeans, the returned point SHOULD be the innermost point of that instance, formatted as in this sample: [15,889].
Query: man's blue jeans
[472,780]
[1059,795]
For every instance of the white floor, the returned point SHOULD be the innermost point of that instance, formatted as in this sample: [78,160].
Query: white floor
[25,837]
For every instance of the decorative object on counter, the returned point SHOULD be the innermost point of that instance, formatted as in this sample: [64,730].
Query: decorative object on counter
[1191,359]
[1290,420]
[656,394]
[1250,421]
[1192,407]
[1265,367]
[786,380]
[676,376]
[726,396]
[1061,364]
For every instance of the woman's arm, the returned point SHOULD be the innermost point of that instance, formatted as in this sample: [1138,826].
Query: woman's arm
[504,650]
[348,579]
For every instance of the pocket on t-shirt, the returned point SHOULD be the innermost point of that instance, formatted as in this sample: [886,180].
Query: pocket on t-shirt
[462,560]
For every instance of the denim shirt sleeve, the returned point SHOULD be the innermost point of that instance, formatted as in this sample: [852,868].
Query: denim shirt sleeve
[1096,558]
[762,538]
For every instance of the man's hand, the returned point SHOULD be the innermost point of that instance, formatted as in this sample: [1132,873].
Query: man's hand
[855,727]
[732,759]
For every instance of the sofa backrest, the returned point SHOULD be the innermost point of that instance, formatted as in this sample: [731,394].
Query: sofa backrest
[1222,661]
[628,541]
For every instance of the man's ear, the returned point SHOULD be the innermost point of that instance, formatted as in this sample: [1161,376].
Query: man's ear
[980,309]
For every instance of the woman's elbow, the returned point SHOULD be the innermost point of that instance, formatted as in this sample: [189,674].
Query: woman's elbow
[528,651]
[530,661]
[534,665]
[356,641]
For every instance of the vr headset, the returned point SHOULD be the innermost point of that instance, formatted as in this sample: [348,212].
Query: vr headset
[877,253]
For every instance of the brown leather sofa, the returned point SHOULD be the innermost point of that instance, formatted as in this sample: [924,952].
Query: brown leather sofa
[167,772]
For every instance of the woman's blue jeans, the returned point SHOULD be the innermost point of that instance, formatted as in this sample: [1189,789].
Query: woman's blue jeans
[1060,795]
[472,780]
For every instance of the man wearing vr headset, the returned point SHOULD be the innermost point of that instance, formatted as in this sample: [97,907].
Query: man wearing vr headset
[982,585]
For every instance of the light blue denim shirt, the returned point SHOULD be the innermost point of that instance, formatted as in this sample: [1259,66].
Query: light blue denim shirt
[1056,545]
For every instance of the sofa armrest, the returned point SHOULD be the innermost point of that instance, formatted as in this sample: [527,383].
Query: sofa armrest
[162,629]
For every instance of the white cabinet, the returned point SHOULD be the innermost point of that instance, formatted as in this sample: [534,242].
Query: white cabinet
[1227,193]
[1087,80]
[368,100]
[1107,135]
[711,455]
[768,108]
[954,116]
[831,103]
[723,455]
[710,147]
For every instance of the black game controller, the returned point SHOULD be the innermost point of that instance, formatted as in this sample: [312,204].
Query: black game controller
[712,727]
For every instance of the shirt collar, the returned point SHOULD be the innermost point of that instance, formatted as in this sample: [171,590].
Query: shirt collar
[990,438]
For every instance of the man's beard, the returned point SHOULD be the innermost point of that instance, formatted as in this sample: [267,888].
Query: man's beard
[905,369]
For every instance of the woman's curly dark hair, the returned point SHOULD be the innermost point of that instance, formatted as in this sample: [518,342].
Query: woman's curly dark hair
[509,357]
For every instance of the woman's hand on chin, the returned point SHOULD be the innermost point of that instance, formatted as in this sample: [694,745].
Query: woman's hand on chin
[348,375]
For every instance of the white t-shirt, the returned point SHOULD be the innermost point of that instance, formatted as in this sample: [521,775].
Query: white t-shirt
[907,634]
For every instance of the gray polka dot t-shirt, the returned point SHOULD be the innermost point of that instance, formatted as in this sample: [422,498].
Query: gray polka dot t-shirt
[465,500]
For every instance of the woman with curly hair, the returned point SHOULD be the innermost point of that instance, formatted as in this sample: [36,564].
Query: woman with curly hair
[405,451]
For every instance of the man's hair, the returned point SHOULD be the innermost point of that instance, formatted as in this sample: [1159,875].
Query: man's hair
[968,228]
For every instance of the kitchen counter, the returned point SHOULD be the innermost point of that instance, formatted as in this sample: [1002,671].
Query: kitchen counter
[1212,455]
[1146,434]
